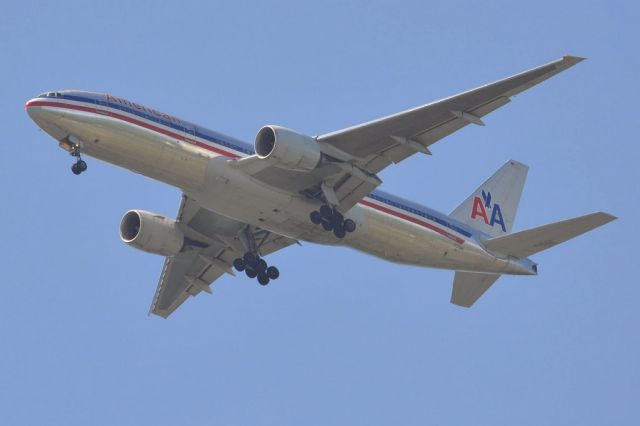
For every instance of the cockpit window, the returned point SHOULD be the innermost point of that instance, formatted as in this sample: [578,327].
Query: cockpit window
[50,95]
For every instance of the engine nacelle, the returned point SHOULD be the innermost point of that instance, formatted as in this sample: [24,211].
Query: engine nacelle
[151,232]
[287,149]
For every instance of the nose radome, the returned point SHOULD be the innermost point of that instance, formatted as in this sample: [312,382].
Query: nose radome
[45,118]
[33,110]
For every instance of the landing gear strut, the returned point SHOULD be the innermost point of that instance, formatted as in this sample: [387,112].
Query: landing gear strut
[255,266]
[332,220]
[79,166]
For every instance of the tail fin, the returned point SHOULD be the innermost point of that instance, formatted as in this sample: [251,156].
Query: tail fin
[469,286]
[492,207]
[525,243]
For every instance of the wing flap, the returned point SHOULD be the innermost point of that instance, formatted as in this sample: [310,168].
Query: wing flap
[173,289]
[352,191]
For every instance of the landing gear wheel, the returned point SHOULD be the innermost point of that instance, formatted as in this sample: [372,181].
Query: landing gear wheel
[273,273]
[339,232]
[349,225]
[337,218]
[239,264]
[251,273]
[263,278]
[315,217]
[332,220]
[261,266]
[326,212]
[79,166]
[250,258]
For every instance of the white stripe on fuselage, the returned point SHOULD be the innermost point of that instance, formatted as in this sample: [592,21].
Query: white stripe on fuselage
[422,246]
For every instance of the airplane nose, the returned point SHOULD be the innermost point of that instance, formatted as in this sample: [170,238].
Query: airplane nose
[46,119]
[37,112]
[33,110]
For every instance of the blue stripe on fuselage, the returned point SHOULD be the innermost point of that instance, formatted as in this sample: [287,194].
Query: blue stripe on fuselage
[97,99]
[417,210]
[184,126]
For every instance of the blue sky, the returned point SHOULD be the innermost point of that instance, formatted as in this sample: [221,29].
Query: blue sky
[340,338]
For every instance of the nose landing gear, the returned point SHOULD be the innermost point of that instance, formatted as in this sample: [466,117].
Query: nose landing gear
[332,220]
[79,166]
[254,266]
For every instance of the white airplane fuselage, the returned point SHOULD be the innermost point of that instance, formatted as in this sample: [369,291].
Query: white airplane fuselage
[200,163]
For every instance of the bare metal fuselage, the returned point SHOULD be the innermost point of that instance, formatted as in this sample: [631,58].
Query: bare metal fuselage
[212,180]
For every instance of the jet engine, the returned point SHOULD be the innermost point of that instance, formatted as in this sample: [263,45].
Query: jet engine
[151,232]
[287,149]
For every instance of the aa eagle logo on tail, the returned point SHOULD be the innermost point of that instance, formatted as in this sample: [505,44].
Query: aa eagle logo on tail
[483,205]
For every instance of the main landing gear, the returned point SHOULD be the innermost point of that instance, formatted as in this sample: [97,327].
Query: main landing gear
[254,266]
[332,220]
[79,166]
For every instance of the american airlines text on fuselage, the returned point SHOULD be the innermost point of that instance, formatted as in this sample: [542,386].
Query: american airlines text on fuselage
[122,101]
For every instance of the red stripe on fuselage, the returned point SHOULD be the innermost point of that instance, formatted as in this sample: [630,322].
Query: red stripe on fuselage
[59,105]
[229,154]
[133,121]
[412,219]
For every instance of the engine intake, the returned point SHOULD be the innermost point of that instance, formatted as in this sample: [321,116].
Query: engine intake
[151,232]
[287,149]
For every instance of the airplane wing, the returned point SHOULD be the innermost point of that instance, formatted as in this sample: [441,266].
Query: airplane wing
[212,243]
[392,139]
[360,152]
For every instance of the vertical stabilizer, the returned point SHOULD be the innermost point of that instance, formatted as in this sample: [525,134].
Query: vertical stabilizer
[492,207]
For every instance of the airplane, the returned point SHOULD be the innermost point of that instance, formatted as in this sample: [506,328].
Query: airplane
[242,202]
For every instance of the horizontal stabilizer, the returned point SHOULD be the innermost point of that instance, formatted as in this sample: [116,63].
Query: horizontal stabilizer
[525,243]
[469,286]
